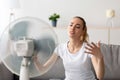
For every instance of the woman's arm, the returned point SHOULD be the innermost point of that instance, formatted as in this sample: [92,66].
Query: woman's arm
[45,67]
[97,59]
[98,64]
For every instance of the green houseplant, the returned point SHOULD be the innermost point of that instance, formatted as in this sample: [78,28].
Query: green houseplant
[54,18]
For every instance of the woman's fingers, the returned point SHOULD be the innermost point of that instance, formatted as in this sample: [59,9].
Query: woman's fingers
[35,58]
[98,44]
[89,45]
[89,52]
[92,48]
[93,44]
[89,48]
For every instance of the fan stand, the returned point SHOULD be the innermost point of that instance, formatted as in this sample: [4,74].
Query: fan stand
[24,48]
[24,72]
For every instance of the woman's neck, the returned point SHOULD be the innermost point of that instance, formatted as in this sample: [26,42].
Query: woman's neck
[74,45]
[75,42]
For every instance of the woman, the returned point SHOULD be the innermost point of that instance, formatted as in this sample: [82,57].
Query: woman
[77,54]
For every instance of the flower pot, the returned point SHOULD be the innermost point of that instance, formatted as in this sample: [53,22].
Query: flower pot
[54,23]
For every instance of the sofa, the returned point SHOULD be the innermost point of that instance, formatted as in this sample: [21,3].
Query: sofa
[111,55]
[5,74]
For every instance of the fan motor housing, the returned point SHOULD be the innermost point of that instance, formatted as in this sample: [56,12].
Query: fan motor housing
[24,47]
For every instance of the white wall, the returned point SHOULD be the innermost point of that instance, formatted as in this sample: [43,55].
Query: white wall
[94,11]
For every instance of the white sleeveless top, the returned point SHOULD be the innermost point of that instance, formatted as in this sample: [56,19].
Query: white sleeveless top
[77,66]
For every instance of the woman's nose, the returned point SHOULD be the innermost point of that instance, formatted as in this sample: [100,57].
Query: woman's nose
[73,27]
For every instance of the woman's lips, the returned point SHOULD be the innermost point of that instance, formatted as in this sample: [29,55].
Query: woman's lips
[71,32]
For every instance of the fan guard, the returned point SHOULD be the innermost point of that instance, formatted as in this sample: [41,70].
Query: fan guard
[45,40]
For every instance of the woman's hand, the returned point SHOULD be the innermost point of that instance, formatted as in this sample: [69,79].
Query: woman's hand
[35,58]
[94,49]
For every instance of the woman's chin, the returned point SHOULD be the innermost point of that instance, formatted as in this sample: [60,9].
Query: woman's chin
[71,36]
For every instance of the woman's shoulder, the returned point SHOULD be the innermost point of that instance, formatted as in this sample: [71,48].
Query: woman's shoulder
[60,49]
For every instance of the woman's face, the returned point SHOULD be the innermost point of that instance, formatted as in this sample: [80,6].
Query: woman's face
[75,28]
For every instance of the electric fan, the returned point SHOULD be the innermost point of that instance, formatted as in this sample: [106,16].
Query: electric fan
[22,39]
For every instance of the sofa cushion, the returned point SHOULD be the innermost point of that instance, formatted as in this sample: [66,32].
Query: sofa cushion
[111,55]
